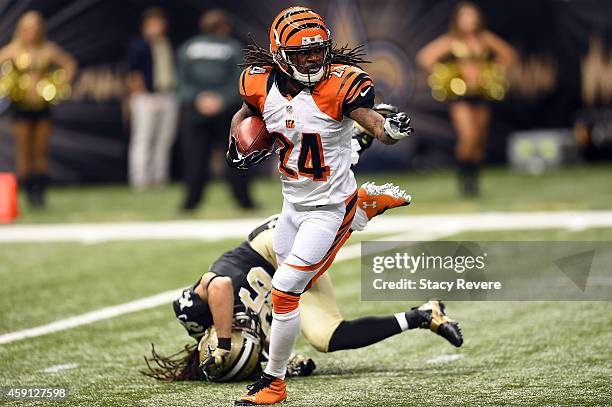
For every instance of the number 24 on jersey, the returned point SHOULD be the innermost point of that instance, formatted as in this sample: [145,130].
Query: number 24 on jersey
[311,162]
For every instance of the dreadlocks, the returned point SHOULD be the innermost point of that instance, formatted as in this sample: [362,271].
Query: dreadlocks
[257,56]
[180,366]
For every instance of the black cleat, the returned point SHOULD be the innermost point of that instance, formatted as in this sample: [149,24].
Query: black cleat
[300,365]
[436,320]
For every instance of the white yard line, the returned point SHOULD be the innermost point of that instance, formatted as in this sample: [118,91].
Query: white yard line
[59,368]
[101,232]
[226,229]
[414,228]
[93,316]
[440,359]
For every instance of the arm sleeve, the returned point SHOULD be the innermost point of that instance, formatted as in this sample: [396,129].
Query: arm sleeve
[359,94]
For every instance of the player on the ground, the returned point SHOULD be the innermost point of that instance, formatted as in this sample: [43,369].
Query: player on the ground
[309,96]
[236,290]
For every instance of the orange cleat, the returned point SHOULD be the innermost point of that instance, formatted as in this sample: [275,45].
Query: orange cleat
[267,390]
[375,199]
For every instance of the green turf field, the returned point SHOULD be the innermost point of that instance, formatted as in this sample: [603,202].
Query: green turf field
[515,353]
[528,353]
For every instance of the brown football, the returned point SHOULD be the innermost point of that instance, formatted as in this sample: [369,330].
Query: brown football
[252,135]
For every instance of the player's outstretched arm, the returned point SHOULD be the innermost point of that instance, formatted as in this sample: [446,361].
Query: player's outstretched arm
[388,130]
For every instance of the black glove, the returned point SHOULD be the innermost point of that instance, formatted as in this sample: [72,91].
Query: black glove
[242,162]
[299,365]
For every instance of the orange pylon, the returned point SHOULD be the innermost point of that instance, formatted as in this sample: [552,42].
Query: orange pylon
[9,200]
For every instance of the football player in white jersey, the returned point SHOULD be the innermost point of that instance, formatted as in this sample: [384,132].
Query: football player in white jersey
[310,96]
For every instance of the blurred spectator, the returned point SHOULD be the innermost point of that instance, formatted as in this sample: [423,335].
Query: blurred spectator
[33,82]
[208,74]
[468,69]
[151,82]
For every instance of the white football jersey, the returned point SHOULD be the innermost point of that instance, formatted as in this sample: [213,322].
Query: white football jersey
[312,132]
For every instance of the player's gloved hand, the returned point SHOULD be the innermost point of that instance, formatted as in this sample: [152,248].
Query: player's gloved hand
[243,162]
[299,365]
[217,357]
[397,126]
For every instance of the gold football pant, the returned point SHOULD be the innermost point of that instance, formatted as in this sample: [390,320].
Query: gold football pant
[320,313]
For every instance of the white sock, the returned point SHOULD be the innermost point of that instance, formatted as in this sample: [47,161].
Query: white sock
[401,320]
[283,332]
[360,220]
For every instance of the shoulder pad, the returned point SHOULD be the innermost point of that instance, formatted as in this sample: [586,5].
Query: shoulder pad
[253,85]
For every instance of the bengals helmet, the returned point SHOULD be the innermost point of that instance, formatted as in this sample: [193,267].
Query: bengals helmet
[299,29]
[243,360]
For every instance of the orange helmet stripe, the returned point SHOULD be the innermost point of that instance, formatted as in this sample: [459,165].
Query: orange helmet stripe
[302,21]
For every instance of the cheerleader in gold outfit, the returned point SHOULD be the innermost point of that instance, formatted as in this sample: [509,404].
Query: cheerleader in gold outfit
[35,74]
[466,68]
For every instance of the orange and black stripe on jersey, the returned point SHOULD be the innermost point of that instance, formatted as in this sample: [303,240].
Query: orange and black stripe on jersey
[346,89]
[254,84]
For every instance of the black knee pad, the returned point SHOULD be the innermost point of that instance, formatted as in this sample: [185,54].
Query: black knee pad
[193,313]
